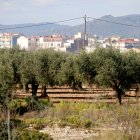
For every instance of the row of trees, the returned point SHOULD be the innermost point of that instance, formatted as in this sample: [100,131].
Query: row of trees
[104,67]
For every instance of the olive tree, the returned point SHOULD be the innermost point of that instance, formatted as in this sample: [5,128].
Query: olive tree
[86,68]
[116,70]
[6,84]
[27,69]
[48,66]
[69,74]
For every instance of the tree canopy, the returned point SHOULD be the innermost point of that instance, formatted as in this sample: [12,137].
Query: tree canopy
[108,68]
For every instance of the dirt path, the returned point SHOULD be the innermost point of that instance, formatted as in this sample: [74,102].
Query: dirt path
[69,133]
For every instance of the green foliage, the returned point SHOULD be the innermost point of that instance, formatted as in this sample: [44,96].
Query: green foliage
[48,66]
[36,104]
[76,121]
[32,135]
[21,106]
[6,77]
[86,68]
[37,123]
[14,124]
[75,114]
[69,73]
[19,132]
[18,106]
[112,120]
[104,67]
[73,120]
[116,70]
[27,66]
[42,67]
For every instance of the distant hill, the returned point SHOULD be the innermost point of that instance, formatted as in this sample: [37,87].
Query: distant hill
[97,27]
[106,29]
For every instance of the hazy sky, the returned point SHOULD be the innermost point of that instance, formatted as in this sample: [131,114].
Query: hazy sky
[35,11]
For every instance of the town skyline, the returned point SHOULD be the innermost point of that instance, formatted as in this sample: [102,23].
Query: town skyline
[71,44]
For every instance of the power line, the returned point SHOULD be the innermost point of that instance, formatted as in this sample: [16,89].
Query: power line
[113,22]
[61,21]
[28,26]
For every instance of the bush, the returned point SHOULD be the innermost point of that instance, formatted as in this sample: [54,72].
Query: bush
[19,132]
[35,104]
[37,123]
[87,123]
[14,124]
[74,120]
[18,106]
[32,135]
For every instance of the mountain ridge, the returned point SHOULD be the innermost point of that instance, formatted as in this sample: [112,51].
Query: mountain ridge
[98,27]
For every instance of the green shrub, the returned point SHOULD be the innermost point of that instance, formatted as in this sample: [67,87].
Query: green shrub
[32,135]
[18,106]
[14,124]
[19,132]
[33,103]
[3,131]
[87,123]
[74,120]
[38,123]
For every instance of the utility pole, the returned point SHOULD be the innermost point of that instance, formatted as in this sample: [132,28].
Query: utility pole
[85,31]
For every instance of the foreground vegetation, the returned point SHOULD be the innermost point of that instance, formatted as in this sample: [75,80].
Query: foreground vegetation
[110,121]
[124,120]
[20,132]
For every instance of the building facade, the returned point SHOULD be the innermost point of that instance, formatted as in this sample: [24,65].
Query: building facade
[23,42]
[8,40]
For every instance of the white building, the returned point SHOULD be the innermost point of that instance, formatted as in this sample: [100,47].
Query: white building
[33,43]
[23,42]
[40,42]
[78,35]
[68,43]
[53,41]
[115,38]
[128,43]
[8,40]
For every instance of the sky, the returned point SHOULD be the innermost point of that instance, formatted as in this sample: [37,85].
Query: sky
[36,11]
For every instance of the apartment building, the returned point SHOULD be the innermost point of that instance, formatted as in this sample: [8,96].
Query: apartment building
[33,43]
[128,43]
[54,41]
[40,42]
[8,40]
[23,42]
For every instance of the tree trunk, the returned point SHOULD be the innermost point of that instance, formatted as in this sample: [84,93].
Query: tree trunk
[137,91]
[21,85]
[26,87]
[34,88]
[44,92]
[119,93]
